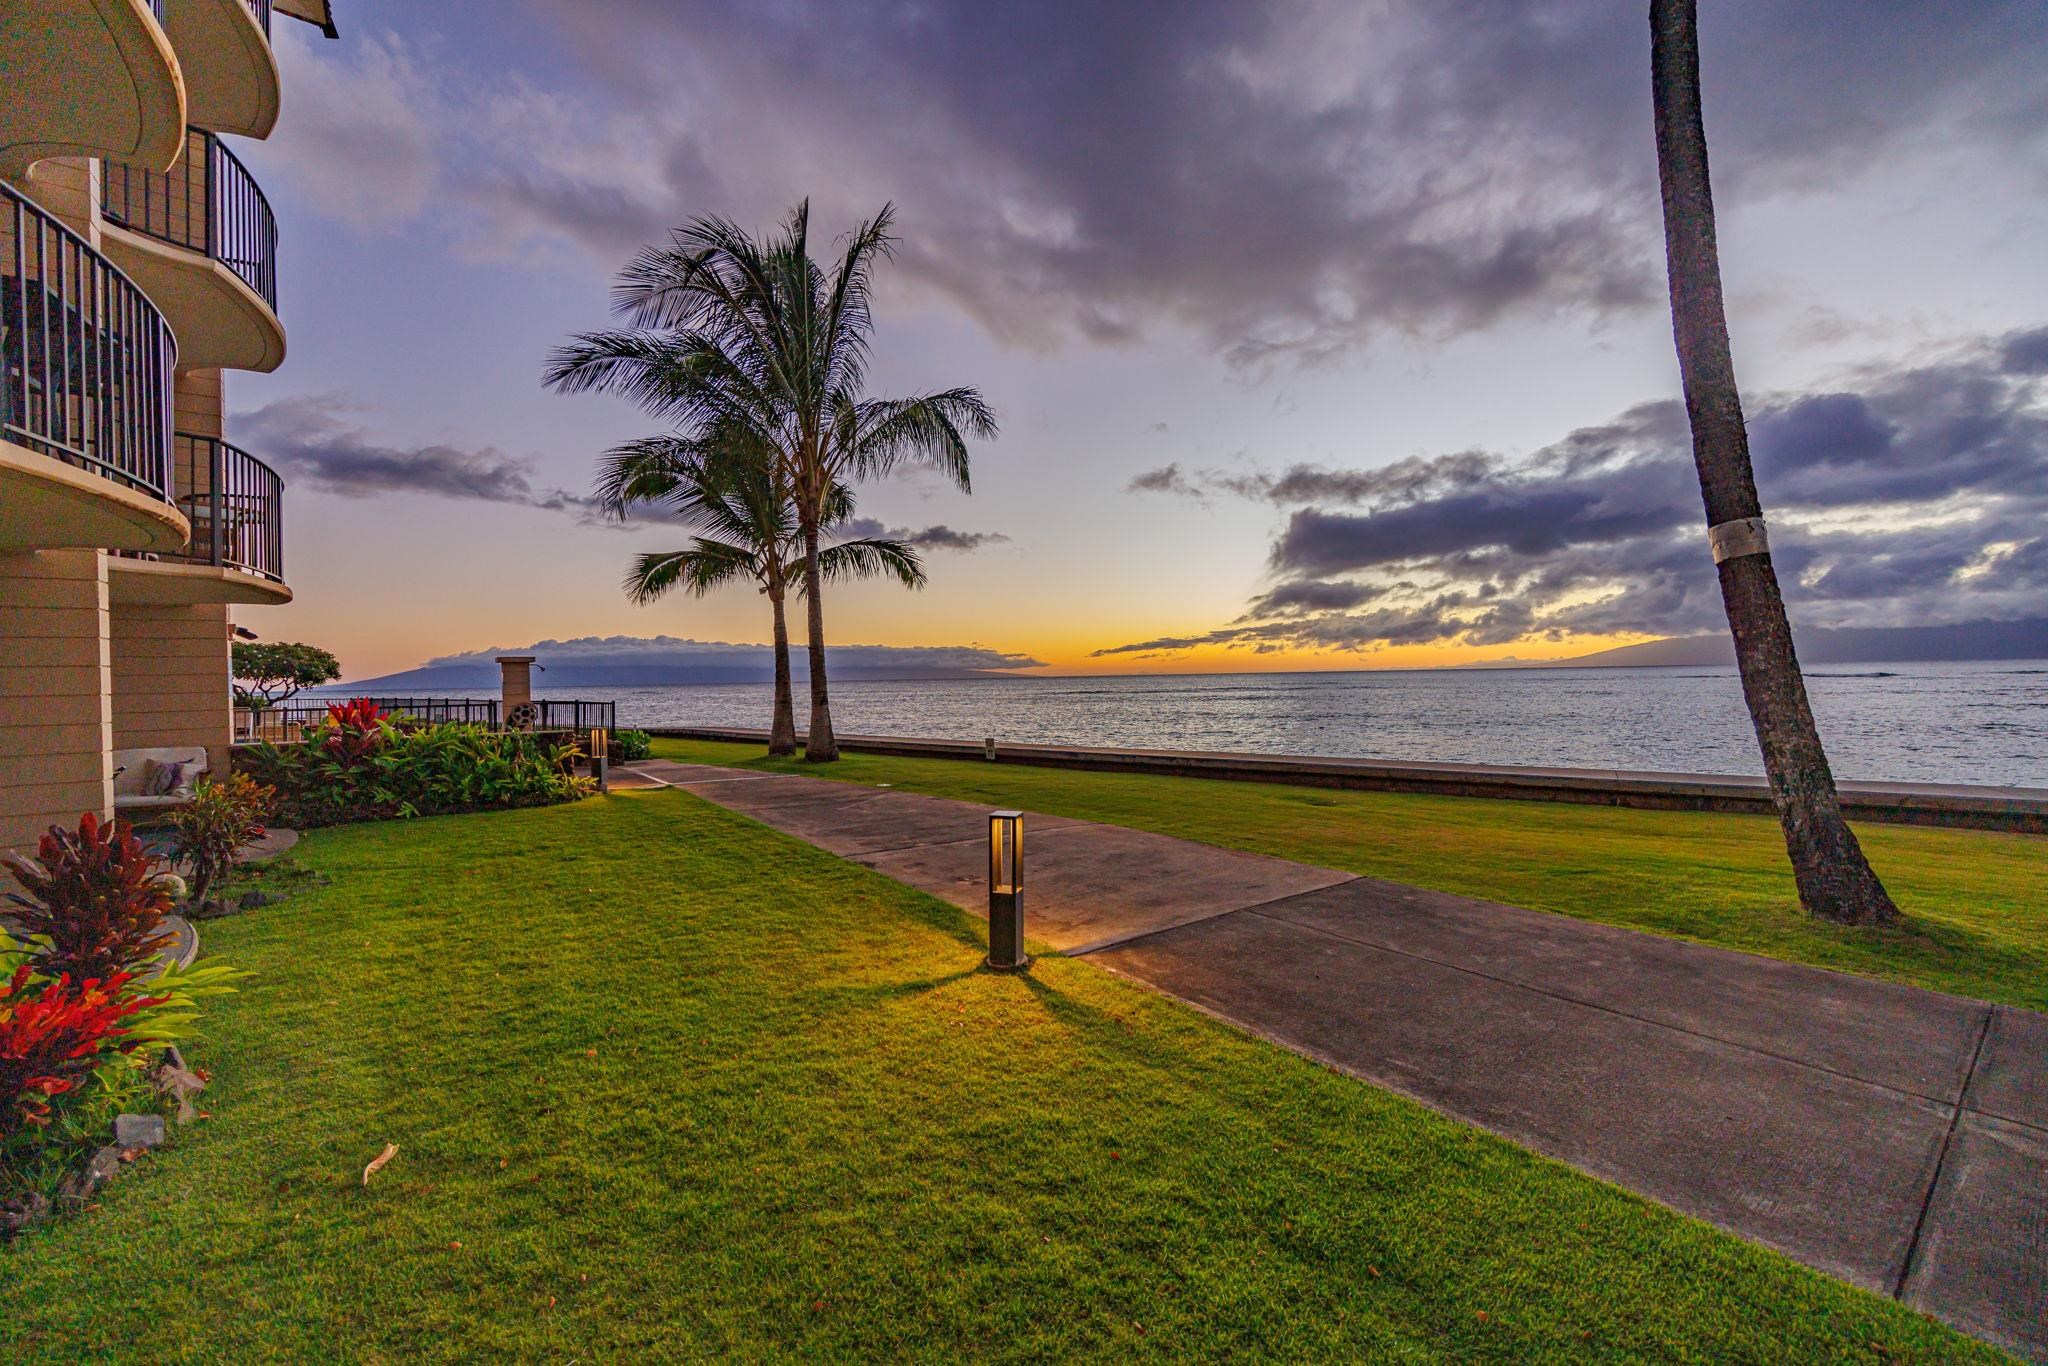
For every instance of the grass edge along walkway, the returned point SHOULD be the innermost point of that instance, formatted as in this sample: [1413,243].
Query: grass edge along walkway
[1976,901]
[666,1082]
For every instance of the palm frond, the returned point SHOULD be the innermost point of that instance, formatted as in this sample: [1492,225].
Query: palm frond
[931,430]
[872,557]
[707,565]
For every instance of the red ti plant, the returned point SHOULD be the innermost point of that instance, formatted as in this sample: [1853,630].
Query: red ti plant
[355,730]
[99,900]
[52,1035]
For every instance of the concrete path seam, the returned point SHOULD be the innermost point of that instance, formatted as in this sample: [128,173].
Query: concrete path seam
[1948,1140]
[1954,1105]
[1125,940]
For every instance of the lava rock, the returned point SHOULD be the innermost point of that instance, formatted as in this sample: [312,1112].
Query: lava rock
[22,1210]
[139,1131]
[82,1185]
[255,898]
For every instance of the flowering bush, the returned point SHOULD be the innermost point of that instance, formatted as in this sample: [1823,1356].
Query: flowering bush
[629,745]
[355,730]
[96,901]
[53,1036]
[219,821]
[342,774]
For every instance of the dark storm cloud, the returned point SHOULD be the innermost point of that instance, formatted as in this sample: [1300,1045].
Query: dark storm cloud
[1165,479]
[1285,178]
[316,442]
[939,537]
[1914,495]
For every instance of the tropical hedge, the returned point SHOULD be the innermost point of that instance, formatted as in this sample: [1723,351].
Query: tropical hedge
[363,764]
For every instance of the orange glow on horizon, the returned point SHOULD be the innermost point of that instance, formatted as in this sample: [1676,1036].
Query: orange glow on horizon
[1214,659]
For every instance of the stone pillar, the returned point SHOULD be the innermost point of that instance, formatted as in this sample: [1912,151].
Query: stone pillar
[515,674]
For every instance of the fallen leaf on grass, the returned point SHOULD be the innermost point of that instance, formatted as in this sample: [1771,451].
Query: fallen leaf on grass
[379,1162]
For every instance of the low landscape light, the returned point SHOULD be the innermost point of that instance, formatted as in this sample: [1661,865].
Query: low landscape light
[600,756]
[1006,891]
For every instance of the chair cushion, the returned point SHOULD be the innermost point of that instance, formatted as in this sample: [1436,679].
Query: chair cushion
[132,768]
[134,803]
[160,779]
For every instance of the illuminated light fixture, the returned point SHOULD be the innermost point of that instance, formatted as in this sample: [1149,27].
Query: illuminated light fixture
[1006,891]
[600,756]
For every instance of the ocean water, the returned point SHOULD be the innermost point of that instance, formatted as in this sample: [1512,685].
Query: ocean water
[1980,722]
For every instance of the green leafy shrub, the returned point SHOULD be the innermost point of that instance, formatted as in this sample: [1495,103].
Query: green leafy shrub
[96,900]
[220,820]
[379,770]
[629,745]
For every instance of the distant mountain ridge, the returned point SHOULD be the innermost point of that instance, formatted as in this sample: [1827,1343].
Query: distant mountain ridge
[666,661]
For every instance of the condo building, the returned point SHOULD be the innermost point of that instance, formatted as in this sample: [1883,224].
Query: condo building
[138,266]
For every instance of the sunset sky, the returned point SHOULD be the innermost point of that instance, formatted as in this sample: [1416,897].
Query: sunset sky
[1321,334]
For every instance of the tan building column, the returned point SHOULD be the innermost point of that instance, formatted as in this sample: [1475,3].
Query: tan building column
[56,721]
[170,679]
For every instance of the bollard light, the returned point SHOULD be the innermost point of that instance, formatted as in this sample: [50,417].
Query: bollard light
[988,749]
[600,757]
[1006,891]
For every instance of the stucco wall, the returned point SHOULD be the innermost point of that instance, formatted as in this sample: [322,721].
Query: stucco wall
[56,723]
[170,679]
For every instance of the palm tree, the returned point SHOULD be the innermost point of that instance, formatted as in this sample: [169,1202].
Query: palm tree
[750,536]
[733,335]
[1835,880]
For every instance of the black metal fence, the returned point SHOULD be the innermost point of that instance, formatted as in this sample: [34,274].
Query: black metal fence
[259,8]
[85,358]
[291,720]
[577,716]
[236,505]
[208,202]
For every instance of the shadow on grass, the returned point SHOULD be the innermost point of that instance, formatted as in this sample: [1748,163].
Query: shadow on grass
[879,992]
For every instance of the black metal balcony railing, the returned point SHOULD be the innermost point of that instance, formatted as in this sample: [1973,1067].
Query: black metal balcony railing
[235,503]
[85,358]
[261,9]
[208,202]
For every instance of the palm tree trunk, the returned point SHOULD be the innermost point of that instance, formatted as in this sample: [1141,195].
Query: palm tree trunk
[782,730]
[1835,879]
[820,746]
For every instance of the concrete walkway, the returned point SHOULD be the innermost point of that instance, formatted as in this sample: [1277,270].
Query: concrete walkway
[1896,1138]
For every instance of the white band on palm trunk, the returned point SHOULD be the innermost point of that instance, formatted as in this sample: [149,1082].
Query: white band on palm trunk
[1732,540]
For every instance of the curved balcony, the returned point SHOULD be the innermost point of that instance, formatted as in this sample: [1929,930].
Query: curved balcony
[94,78]
[235,504]
[201,239]
[86,365]
[223,46]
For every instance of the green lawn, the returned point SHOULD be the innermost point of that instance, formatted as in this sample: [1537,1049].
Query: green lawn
[1977,902]
[667,1083]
